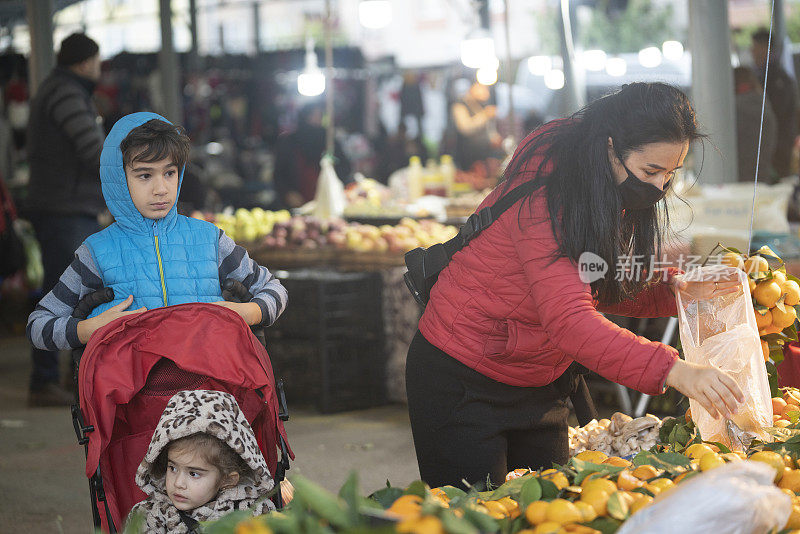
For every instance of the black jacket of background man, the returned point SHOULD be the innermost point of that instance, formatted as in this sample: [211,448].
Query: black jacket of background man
[782,95]
[65,138]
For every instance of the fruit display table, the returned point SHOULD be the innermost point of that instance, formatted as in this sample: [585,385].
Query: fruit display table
[628,476]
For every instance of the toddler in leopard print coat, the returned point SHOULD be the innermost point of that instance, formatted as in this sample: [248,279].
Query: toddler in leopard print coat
[203,462]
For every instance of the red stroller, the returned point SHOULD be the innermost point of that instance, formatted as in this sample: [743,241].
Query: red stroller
[131,368]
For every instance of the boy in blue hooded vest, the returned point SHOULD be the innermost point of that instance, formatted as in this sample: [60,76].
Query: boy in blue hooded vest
[150,256]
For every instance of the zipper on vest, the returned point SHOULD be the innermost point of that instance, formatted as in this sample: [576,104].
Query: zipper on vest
[160,266]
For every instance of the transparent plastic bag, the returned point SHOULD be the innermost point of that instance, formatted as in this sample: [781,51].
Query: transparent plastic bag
[736,498]
[330,198]
[722,332]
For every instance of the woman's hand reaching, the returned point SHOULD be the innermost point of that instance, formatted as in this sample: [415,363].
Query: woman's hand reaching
[724,285]
[715,390]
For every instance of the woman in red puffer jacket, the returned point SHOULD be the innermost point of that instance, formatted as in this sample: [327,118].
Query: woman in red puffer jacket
[485,374]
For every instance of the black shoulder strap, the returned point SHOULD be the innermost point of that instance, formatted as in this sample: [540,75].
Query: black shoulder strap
[479,221]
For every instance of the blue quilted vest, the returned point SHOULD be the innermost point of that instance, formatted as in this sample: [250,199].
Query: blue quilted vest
[160,262]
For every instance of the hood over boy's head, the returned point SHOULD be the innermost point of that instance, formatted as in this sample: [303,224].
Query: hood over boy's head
[141,169]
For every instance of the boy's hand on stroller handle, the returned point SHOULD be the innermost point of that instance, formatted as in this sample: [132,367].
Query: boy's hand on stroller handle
[249,311]
[87,327]
[715,390]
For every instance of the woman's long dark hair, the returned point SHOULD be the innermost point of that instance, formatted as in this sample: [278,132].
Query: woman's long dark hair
[583,200]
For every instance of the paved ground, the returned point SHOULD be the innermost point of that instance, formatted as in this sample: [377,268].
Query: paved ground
[43,488]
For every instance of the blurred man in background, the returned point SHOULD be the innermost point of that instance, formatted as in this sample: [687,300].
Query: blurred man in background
[748,128]
[65,138]
[297,159]
[782,95]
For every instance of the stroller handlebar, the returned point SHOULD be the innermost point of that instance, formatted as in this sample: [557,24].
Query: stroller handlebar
[91,301]
[234,291]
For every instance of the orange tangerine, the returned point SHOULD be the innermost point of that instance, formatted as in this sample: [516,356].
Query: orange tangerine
[792,290]
[536,512]
[640,503]
[596,457]
[626,481]
[756,264]
[563,511]
[767,293]
[784,319]
[597,499]
[587,511]
[617,461]
[771,458]
[602,484]
[764,319]
[645,472]
[556,477]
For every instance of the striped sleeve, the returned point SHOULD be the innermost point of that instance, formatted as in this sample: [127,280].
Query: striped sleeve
[267,291]
[72,113]
[51,325]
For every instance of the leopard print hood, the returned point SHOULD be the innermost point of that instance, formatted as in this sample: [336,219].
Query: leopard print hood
[218,414]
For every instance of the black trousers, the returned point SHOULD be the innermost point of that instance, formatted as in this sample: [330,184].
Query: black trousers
[467,426]
[59,237]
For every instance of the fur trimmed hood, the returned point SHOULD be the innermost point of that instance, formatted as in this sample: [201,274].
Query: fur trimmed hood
[215,413]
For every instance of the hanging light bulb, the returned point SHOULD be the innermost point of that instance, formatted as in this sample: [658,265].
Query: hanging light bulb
[375,14]
[477,50]
[554,79]
[650,57]
[486,75]
[593,60]
[311,82]
[672,50]
[539,65]
[616,66]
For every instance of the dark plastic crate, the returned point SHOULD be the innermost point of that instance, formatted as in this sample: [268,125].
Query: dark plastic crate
[329,304]
[333,376]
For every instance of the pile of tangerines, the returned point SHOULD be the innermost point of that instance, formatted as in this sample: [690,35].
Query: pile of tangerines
[786,408]
[775,294]
[614,495]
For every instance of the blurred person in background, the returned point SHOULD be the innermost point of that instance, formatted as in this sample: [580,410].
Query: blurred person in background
[65,138]
[395,151]
[476,136]
[411,104]
[748,127]
[297,159]
[782,95]
[17,106]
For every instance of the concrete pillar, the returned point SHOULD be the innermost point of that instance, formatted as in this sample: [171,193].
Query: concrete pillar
[483,14]
[779,27]
[194,59]
[512,123]
[712,90]
[257,27]
[573,95]
[330,139]
[169,67]
[40,24]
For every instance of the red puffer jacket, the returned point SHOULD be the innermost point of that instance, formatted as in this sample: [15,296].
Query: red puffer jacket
[503,308]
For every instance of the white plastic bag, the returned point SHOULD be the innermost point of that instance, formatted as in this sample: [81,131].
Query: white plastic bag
[329,201]
[736,498]
[722,331]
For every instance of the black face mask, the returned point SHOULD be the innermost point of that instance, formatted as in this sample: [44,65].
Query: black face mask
[639,195]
